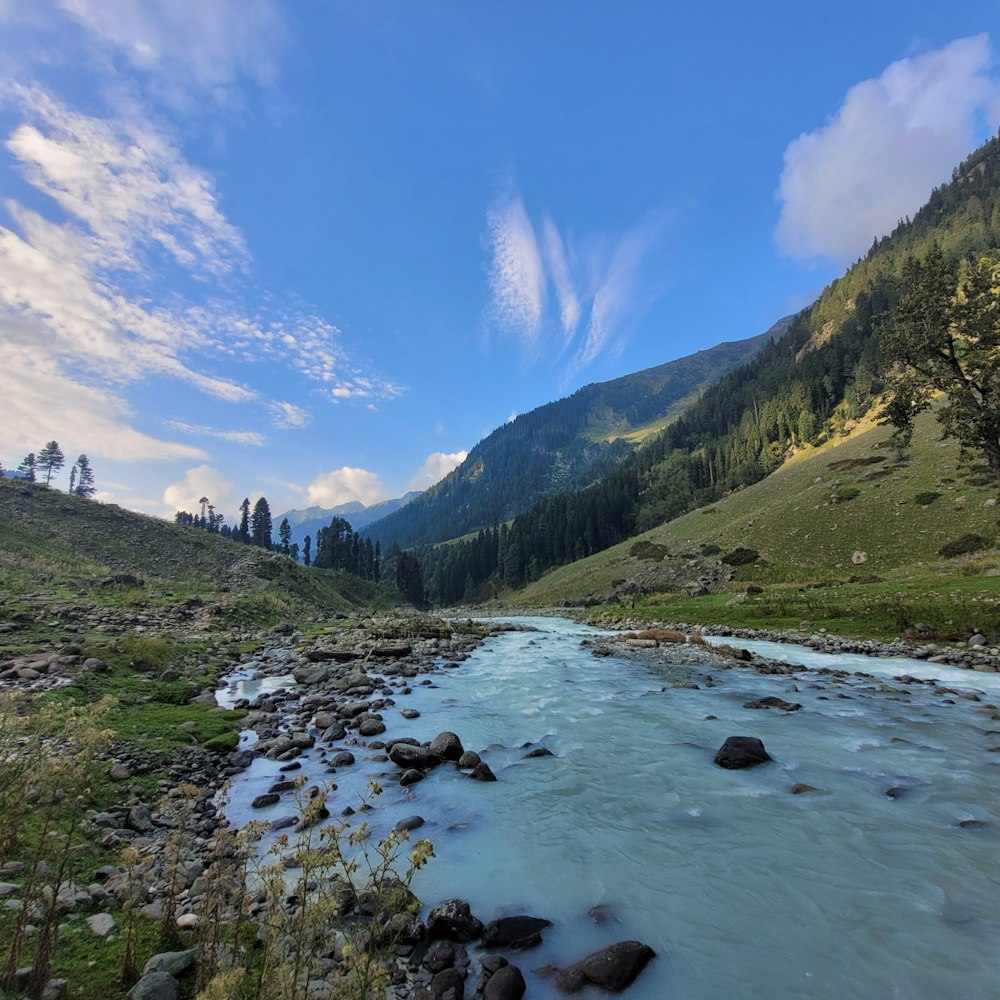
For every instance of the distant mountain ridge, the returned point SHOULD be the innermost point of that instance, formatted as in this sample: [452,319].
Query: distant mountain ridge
[565,444]
[309,520]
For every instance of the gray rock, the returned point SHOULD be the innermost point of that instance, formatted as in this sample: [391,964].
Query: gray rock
[102,924]
[482,772]
[519,931]
[447,745]
[468,760]
[176,963]
[155,986]
[406,755]
[450,983]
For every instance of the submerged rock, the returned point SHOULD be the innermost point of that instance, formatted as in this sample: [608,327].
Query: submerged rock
[739,752]
[772,702]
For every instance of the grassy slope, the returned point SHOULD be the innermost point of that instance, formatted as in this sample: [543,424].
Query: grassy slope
[806,537]
[61,545]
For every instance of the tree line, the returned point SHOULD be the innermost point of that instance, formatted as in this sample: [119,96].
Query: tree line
[48,462]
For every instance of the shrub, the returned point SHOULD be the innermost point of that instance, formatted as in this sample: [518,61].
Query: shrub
[223,743]
[967,543]
[741,556]
[649,550]
[926,499]
[710,550]
[845,494]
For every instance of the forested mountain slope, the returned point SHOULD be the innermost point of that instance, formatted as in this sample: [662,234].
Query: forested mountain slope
[804,388]
[562,445]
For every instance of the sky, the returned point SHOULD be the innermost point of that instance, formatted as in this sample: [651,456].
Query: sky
[317,250]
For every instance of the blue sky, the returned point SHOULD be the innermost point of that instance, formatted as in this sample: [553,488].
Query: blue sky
[317,250]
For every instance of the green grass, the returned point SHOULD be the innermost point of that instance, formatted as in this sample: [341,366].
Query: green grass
[804,537]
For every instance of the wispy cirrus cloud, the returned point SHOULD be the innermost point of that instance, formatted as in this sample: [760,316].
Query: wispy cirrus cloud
[877,159]
[237,437]
[83,298]
[603,281]
[288,416]
[187,51]
[128,184]
[516,272]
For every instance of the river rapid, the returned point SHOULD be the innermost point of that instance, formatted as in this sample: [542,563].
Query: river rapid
[743,889]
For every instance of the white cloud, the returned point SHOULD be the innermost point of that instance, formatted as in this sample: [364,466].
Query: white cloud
[40,403]
[188,48]
[891,141]
[611,288]
[516,271]
[435,467]
[201,481]
[618,298]
[569,303]
[329,489]
[288,416]
[237,437]
[127,183]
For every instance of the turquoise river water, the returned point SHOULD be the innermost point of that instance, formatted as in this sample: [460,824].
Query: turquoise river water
[743,889]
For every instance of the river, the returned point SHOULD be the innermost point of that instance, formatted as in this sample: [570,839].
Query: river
[743,889]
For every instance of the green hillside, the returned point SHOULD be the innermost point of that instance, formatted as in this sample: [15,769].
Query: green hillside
[859,529]
[59,551]
[566,444]
[803,389]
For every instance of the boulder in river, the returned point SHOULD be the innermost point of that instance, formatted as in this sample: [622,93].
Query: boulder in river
[505,984]
[612,968]
[447,746]
[739,752]
[770,701]
[468,760]
[406,756]
[482,772]
[519,931]
[453,920]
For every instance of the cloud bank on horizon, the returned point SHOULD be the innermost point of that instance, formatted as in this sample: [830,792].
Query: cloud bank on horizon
[889,144]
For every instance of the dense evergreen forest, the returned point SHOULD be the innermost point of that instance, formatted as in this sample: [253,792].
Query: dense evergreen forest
[562,446]
[800,389]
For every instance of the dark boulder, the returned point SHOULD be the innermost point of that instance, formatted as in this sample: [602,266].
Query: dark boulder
[411,776]
[482,772]
[612,968]
[450,983]
[406,756]
[468,760]
[514,932]
[447,746]
[741,751]
[263,801]
[539,752]
[454,920]
[505,984]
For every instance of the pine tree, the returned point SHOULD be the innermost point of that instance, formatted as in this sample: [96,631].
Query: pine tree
[260,524]
[85,478]
[245,521]
[285,535]
[26,469]
[72,480]
[306,550]
[51,460]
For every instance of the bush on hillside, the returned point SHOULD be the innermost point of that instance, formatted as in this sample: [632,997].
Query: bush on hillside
[741,556]
[961,546]
[926,499]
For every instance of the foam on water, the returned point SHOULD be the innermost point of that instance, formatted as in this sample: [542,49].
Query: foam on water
[743,889]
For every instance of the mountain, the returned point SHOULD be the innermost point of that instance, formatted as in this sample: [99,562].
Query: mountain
[806,388]
[310,519]
[562,445]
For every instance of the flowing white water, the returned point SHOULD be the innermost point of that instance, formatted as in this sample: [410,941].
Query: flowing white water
[743,889]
